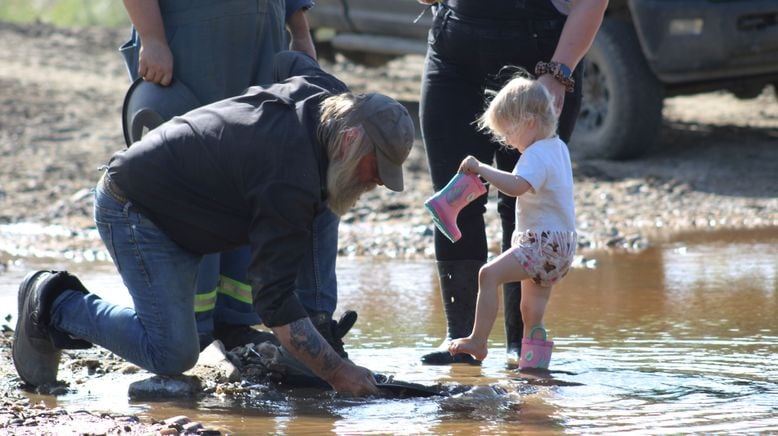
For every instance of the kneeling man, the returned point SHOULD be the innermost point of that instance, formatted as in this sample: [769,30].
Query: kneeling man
[255,169]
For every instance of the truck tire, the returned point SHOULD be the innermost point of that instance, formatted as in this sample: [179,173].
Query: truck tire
[621,112]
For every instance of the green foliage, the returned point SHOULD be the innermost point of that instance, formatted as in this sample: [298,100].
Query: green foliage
[65,13]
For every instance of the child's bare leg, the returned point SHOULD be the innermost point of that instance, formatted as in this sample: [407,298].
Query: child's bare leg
[504,268]
[534,299]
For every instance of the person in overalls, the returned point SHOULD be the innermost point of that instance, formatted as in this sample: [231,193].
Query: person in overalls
[194,52]
[469,44]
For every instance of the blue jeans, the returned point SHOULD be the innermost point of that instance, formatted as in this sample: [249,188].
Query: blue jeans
[159,334]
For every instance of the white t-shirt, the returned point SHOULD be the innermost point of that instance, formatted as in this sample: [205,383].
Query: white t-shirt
[549,205]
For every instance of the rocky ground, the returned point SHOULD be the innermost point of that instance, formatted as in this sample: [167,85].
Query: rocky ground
[715,167]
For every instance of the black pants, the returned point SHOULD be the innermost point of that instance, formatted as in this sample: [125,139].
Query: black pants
[466,56]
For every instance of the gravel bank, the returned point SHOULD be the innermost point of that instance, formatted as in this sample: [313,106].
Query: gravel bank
[715,166]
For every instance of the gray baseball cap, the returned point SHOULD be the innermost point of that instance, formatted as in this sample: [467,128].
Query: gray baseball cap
[390,127]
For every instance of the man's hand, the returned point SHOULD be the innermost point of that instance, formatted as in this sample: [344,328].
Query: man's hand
[156,62]
[301,339]
[354,380]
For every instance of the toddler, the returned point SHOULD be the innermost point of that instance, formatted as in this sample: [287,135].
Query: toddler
[522,116]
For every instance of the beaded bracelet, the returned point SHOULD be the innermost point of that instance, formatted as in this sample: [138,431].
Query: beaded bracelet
[558,71]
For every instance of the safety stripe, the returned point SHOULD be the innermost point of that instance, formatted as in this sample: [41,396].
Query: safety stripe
[235,289]
[205,302]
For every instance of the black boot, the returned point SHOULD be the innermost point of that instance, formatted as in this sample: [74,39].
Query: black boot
[238,335]
[334,331]
[514,325]
[459,289]
[36,346]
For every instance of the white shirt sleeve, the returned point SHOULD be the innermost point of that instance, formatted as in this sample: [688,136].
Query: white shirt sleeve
[531,168]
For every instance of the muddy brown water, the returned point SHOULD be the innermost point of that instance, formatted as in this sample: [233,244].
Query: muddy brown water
[679,338]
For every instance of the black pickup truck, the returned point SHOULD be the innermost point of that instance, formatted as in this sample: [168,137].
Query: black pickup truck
[646,50]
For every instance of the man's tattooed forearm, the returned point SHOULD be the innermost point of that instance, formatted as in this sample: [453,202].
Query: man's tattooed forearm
[305,338]
[331,360]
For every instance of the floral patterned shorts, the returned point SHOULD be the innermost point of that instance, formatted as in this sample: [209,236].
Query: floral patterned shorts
[546,256]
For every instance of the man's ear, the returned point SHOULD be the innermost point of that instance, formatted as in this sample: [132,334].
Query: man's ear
[348,138]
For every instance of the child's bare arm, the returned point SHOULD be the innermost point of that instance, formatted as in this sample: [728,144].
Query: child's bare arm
[507,183]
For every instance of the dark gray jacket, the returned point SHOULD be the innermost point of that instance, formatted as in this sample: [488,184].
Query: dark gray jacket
[245,170]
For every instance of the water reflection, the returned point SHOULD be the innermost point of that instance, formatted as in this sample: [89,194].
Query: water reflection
[679,338]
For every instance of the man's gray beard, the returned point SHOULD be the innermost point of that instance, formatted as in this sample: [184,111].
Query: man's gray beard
[343,188]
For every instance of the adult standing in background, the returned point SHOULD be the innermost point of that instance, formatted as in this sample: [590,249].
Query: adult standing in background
[469,44]
[216,49]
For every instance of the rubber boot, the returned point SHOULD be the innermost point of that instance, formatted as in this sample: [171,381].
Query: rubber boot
[536,353]
[514,325]
[445,204]
[459,289]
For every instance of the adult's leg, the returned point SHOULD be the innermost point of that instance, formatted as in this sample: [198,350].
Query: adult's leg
[511,291]
[234,303]
[206,290]
[451,99]
[317,285]
[159,334]
[224,300]
[223,305]
[234,313]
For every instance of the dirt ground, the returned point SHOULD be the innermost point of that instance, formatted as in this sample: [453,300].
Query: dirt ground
[61,91]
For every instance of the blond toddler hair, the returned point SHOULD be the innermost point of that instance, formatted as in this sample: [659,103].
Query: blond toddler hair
[519,101]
